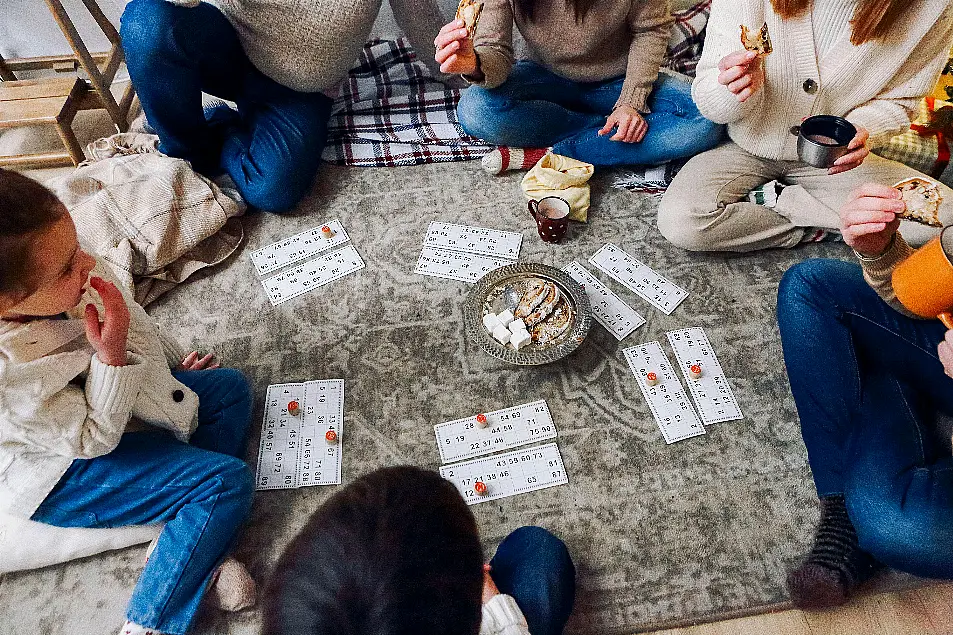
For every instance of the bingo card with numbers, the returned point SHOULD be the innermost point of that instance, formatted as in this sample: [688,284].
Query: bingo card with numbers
[507,474]
[312,274]
[609,310]
[711,392]
[505,429]
[474,240]
[667,399]
[294,451]
[639,278]
[456,265]
[298,247]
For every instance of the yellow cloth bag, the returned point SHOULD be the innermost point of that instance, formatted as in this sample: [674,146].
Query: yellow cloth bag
[556,175]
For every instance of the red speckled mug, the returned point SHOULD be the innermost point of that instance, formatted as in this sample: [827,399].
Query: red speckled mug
[552,217]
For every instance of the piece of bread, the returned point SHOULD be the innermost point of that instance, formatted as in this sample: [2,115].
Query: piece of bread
[469,11]
[758,41]
[922,198]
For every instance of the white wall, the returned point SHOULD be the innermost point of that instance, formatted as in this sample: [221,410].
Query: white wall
[27,28]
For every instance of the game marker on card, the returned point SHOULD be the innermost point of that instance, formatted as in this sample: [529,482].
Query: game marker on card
[507,474]
[666,398]
[494,431]
[299,247]
[706,380]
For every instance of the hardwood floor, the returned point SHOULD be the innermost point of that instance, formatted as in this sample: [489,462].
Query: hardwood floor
[924,611]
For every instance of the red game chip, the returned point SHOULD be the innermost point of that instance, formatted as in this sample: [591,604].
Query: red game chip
[652,377]
[481,418]
[480,488]
[331,436]
[326,231]
[293,407]
[695,371]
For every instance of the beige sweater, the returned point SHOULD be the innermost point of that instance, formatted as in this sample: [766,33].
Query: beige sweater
[616,38]
[309,45]
[876,85]
[879,272]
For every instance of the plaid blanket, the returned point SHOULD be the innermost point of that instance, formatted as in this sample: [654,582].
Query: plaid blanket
[687,39]
[928,152]
[392,112]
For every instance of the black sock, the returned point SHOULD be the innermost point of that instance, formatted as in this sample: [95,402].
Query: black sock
[835,566]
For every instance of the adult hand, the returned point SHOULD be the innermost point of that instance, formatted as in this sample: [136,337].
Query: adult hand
[193,362]
[455,52]
[945,350]
[629,125]
[108,338]
[742,73]
[489,586]
[858,152]
[869,218]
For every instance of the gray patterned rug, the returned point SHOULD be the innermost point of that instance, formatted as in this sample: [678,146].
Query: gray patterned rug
[705,527]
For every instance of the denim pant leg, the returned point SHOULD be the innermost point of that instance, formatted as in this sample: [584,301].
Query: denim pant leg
[202,496]
[676,128]
[834,327]
[224,409]
[899,490]
[174,54]
[533,108]
[534,567]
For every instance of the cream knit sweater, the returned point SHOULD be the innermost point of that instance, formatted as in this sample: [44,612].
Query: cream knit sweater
[876,85]
[309,45]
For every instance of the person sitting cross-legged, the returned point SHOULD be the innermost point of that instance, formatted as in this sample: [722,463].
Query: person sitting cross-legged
[397,551]
[279,61]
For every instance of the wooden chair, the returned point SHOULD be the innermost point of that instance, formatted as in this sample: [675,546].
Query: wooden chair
[55,101]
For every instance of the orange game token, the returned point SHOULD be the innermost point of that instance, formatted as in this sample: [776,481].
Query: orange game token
[326,232]
[651,379]
[480,488]
[293,408]
[481,420]
[695,371]
[331,436]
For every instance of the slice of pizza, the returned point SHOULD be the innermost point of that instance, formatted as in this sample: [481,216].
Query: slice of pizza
[922,198]
[469,11]
[758,41]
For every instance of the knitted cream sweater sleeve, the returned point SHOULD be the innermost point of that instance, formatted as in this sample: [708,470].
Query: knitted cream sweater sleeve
[891,111]
[722,37]
[878,271]
[651,23]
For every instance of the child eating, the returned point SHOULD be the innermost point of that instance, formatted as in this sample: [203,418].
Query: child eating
[78,361]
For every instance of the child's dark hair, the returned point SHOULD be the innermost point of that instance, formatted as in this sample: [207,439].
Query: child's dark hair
[397,552]
[26,207]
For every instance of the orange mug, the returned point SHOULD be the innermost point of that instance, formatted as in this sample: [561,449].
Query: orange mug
[924,281]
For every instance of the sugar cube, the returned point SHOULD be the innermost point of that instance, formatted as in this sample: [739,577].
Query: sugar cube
[501,334]
[505,317]
[490,322]
[517,325]
[519,339]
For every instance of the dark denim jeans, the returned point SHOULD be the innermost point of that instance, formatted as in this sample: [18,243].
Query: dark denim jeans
[201,491]
[271,148]
[868,385]
[535,108]
[534,567]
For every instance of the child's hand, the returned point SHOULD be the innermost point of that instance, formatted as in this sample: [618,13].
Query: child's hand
[489,586]
[455,52]
[192,362]
[858,152]
[630,125]
[869,218]
[742,73]
[945,350]
[109,338]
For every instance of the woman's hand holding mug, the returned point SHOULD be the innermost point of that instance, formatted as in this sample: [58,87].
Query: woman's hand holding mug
[742,73]
[869,218]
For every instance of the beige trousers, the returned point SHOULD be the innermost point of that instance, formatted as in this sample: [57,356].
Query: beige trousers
[706,207]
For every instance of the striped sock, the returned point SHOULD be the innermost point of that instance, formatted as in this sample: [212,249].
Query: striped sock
[836,564]
[506,158]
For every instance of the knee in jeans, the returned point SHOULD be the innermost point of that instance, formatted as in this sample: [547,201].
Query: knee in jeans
[239,390]
[236,478]
[805,282]
[274,192]
[142,22]
[476,112]
[543,542]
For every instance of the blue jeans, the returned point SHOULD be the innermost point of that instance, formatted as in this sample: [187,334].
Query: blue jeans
[868,385]
[533,566]
[201,491]
[271,148]
[535,108]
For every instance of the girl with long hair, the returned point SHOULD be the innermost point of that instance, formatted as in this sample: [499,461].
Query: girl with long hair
[869,61]
[591,89]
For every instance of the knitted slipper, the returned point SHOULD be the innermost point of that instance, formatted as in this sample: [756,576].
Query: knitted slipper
[131,628]
[232,588]
[506,158]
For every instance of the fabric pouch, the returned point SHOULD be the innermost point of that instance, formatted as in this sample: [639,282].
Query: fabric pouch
[556,175]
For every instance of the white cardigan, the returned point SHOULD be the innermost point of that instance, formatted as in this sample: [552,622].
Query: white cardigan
[875,85]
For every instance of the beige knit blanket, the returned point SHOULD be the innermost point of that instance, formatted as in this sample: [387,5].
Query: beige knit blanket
[150,216]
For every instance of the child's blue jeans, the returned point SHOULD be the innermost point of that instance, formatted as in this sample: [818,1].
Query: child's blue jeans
[868,385]
[272,150]
[536,108]
[533,566]
[201,491]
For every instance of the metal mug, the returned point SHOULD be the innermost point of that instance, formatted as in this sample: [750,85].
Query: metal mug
[552,217]
[822,139]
